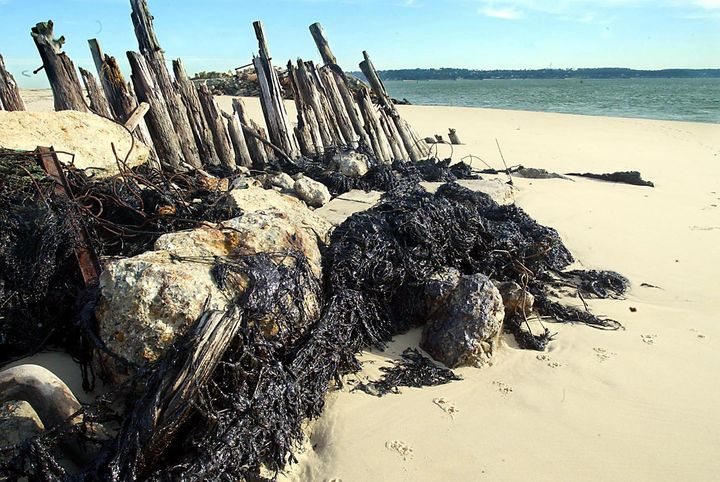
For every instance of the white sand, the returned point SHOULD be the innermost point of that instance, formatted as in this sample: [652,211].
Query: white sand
[640,404]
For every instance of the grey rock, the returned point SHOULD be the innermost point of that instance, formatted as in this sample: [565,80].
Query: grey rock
[351,164]
[283,181]
[466,331]
[18,422]
[515,299]
[314,193]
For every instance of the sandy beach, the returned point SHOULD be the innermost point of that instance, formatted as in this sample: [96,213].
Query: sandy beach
[637,404]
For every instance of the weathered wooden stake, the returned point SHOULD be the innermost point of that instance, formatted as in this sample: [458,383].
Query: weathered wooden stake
[341,116]
[348,100]
[237,136]
[155,57]
[60,70]
[98,102]
[378,140]
[9,93]
[416,150]
[158,119]
[220,135]
[137,116]
[276,117]
[256,148]
[201,129]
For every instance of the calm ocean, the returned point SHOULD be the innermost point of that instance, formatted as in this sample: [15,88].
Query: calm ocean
[671,99]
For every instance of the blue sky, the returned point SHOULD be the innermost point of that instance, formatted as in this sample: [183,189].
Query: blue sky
[498,34]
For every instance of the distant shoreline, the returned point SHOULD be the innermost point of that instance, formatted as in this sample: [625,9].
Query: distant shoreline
[538,74]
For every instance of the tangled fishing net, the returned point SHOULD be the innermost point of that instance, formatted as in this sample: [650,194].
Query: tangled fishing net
[225,401]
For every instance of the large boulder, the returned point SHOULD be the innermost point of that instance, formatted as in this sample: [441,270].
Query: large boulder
[464,328]
[88,136]
[18,423]
[149,300]
[254,198]
[314,193]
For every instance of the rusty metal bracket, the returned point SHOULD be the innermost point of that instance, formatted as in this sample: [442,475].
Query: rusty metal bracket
[84,252]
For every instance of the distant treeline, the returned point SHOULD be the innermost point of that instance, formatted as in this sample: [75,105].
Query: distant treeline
[598,73]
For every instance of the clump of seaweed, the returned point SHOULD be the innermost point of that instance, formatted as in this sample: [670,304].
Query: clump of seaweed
[413,369]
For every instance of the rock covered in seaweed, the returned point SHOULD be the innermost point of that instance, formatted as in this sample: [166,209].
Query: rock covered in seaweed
[467,331]
[149,300]
[314,193]
[18,422]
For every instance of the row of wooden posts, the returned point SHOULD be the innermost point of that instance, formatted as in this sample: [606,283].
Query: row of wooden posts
[183,125]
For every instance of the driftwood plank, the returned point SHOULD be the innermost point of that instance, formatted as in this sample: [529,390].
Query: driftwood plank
[60,70]
[98,101]
[201,129]
[9,93]
[158,119]
[220,135]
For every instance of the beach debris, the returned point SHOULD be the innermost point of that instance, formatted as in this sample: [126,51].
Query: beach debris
[503,388]
[411,370]
[535,173]
[314,193]
[10,98]
[18,424]
[624,177]
[454,138]
[467,331]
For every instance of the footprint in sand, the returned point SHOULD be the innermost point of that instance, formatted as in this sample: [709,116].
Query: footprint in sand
[550,362]
[446,406]
[405,451]
[648,339]
[503,388]
[603,354]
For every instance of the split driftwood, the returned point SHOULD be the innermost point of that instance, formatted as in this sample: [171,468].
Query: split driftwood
[98,102]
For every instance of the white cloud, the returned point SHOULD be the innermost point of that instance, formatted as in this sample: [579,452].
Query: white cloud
[506,13]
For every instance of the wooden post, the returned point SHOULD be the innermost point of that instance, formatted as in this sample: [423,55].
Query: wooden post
[237,136]
[201,129]
[311,144]
[311,97]
[327,110]
[414,149]
[9,93]
[215,121]
[348,100]
[158,119]
[150,49]
[98,102]
[257,150]
[335,100]
[276,118]
[372,124]
[60,70]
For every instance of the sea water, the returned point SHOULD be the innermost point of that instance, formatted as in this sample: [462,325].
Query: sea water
[695,100]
